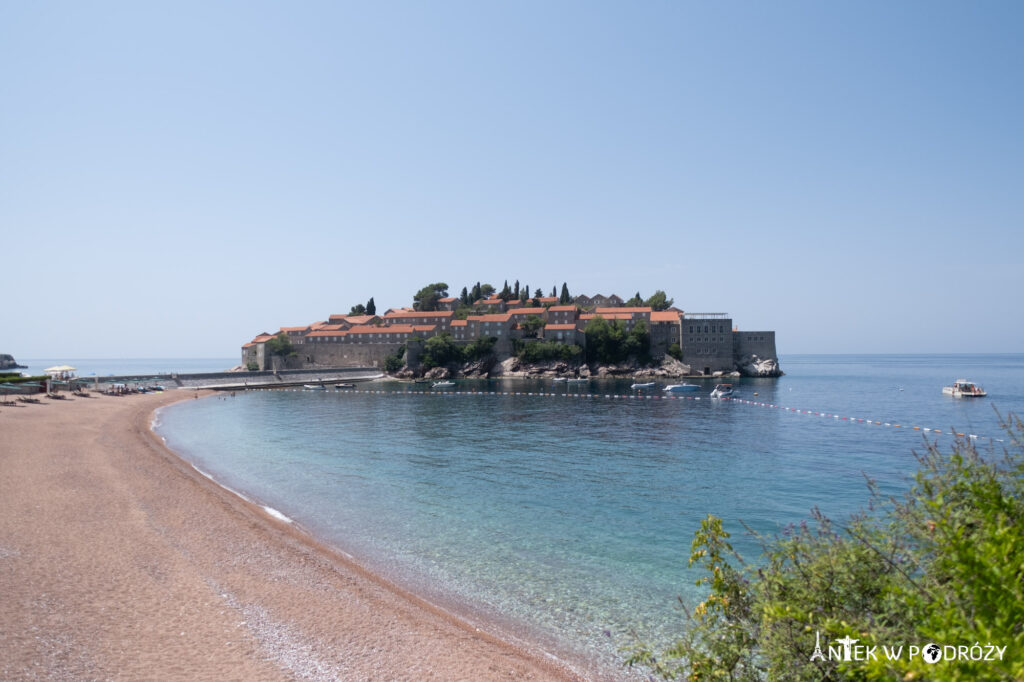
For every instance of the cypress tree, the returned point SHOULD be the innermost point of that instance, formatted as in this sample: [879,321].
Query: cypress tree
[371,307]
[464,296]
[515,290]
[565,299]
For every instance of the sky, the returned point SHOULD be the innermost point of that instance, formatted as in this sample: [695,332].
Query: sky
[177,177]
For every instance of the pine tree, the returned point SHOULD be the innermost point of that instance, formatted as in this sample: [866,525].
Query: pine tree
[506,293]
[526,292]
[554,291]
[371,307]
[565,299]
[464,296]
[515,290]
[476,292]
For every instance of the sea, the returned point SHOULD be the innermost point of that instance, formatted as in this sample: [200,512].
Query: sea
[562,515]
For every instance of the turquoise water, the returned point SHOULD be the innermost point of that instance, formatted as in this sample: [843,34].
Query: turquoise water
[568,520]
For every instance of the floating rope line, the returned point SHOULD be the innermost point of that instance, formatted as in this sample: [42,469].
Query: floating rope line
[868,422]
[641,396]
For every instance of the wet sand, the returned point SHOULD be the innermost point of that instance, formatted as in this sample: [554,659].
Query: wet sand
[119,561]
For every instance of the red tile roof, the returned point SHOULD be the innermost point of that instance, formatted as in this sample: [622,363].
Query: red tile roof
[562,308]
[359,319]
[458,323]
[417,314]
[493,317]
[602,311]
[371,329]
[664,316]
[425,327]
[556,327]
[294,329]
[450,299]
[488,301]
[263,338]
[330,328]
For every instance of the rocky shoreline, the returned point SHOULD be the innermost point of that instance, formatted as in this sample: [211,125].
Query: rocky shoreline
[668,368]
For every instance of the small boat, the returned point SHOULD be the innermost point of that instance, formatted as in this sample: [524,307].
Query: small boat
[962,388]
[637,387]
[681,388]
[442,384]
[421,381]
[560,379]
[722,391]
[314,387]
[341,386]
[577,380]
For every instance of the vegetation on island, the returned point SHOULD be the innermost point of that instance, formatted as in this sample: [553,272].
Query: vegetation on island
[442,350]
[369,309]
[608,342]
[281,346]
[943,565]
[532,352]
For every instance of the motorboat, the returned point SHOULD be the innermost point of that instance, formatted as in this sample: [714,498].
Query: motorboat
[314,387]
[962,388]
[681,388]
[442,384]
[560,379]
[338,387]
[637,387]
[722,391]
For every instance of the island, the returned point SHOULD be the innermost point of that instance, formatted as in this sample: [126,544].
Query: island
[487,333]
[8,362]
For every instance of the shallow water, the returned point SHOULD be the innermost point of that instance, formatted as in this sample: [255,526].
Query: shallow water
[569,519]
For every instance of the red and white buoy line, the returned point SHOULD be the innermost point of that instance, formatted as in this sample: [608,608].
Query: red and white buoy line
[640,396]
[859,420]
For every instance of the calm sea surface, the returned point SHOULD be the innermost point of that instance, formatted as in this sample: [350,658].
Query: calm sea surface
[568,520]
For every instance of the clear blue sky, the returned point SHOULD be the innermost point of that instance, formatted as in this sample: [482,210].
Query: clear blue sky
[177,177]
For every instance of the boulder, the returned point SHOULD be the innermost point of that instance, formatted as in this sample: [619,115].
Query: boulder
[754,366]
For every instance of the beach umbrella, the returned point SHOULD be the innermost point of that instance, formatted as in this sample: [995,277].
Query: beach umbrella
[60,368]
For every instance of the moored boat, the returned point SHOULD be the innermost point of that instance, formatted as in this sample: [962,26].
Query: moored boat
[314,387]
[577,380]
[442,384]
[722,391]
[341,386]
[637,387]
[962,388]
[681,388]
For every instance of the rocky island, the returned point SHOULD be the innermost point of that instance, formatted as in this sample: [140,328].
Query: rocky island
[8,362]
[487,333]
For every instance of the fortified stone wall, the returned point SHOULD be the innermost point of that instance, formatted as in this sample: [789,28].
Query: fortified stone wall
[346,354]
[708,344]
[761,344]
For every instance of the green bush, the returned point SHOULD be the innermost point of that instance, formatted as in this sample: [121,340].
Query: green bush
[252,366]
[479,348]
[943,564]
[610,343]
[393,362]
[18,379]
[546,351]
[676,351]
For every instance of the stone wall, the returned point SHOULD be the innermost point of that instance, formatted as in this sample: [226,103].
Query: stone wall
[761,344]
[708,344]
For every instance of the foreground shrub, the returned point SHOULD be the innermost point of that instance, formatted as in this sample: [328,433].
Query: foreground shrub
[944,564]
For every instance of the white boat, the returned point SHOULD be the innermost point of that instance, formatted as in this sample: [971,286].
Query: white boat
[442,384]
[314,387]
[637,387]
[681,388]
[578,380]
[560,379]
[722,391]
[962,388]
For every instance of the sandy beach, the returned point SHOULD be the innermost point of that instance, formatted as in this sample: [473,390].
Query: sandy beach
[119,561]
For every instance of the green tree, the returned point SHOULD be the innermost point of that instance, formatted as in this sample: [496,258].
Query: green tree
[464,297]
[426,298]
[280,345]
[676,351]
[478,348]
[371,307]
[440,350]
[635,302]
[526,294]
[554,291]
[564,298]
[486,290]
[358,309]
[944,563]
[659,301]
[476,294]
[515,290]
[394,361]
[531,325]
[506,293]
